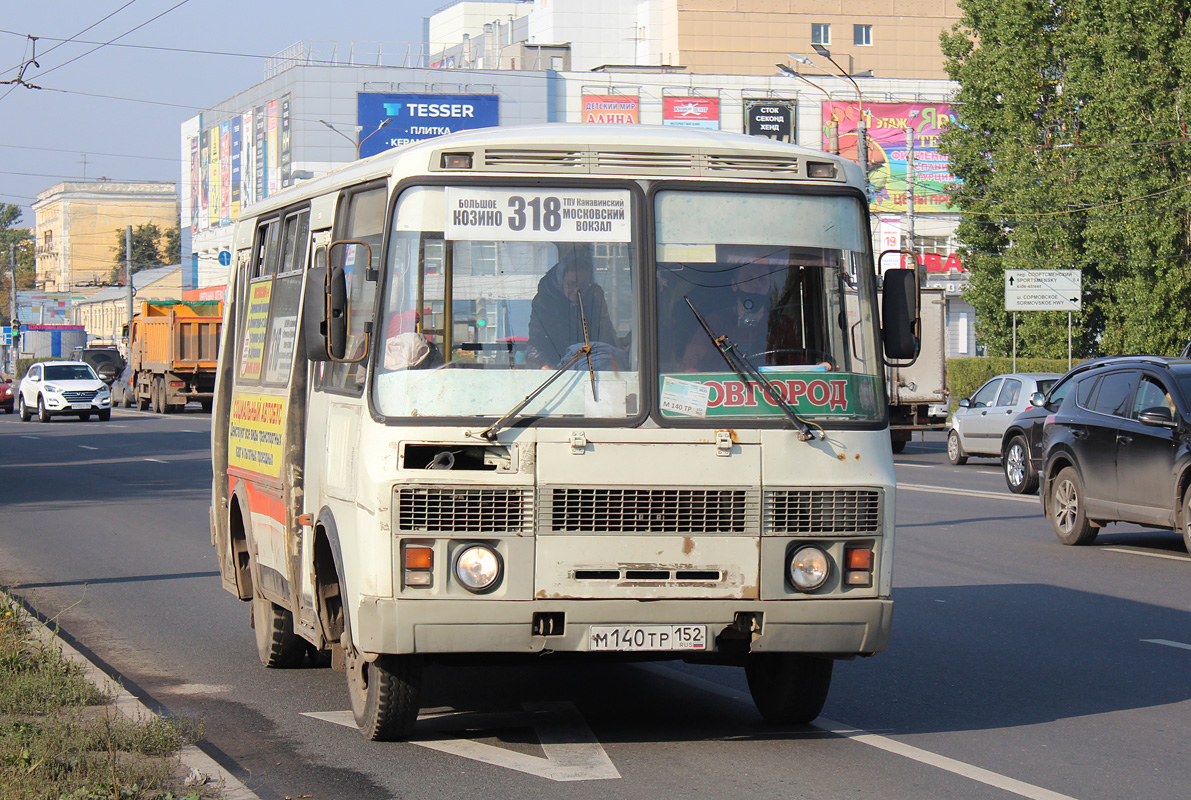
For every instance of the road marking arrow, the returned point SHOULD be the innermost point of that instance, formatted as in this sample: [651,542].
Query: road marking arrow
[572,753]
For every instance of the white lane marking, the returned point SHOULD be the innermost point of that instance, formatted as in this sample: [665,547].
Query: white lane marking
[1140,553]
[88,447]
[917,487]
[965,770]
[156,460]
[25,436]
[572,753]
[1168,643]
[903,464]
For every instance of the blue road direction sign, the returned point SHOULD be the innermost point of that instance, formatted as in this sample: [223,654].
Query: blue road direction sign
[7,338]
[225,258]
[1043,290]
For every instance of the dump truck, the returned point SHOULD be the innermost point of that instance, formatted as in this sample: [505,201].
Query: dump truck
[915,389]
[172,350]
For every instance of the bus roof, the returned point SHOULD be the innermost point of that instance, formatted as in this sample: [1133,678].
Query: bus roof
[581,149]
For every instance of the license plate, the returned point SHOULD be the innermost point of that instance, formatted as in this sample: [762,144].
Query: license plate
[639,638]
[80,406]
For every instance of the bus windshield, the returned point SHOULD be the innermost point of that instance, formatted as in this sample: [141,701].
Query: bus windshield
[783,278]
[489,290]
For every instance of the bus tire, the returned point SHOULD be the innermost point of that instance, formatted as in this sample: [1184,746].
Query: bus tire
[276,643]
[788,688]
[385,693]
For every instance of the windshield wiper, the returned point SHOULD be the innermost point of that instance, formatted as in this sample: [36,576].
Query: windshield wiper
[746,371]
[490,432]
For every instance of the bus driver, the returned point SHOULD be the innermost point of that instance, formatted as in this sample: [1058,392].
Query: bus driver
[555,320]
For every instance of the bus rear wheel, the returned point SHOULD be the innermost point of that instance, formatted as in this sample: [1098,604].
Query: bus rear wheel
[276,643]
[788,688]
[385,693]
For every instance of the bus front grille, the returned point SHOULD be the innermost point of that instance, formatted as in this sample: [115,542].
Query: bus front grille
[473,510]
[648,510]
[825,512]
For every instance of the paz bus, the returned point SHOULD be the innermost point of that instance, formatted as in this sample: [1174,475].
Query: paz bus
[568,390]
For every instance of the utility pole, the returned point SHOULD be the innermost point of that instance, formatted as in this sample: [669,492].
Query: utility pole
[128,270]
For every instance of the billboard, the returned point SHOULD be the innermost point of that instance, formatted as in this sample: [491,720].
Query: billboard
[240,161]
[771,118]
[411,118]
[886,125]
[617,109]
[691,112]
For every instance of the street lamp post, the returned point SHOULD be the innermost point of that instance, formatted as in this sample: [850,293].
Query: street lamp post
[861,130]
[833,135]
[383,123]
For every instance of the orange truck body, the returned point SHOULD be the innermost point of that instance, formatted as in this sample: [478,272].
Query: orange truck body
[173,351]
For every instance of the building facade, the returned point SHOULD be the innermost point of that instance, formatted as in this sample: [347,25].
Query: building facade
[77,225]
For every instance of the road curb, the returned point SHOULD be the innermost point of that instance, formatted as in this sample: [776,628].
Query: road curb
[132,708]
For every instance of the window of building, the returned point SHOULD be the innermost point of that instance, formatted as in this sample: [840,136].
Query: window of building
[862,35]
[49,238]
[820,33]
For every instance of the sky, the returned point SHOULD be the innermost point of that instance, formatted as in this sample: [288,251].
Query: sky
[115,110]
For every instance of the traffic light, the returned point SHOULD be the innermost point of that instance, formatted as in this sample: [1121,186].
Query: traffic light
[16,332]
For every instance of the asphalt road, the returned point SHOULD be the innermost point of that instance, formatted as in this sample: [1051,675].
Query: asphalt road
[1018,667]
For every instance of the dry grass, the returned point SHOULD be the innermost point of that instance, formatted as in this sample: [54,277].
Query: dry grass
[60,739]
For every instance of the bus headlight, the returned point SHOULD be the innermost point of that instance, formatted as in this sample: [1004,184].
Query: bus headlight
[808,568]
[478,568]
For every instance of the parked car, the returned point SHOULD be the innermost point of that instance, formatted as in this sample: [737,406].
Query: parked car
[1118,449]
[50,388]
[978,425]
[1021,445]
[6,396]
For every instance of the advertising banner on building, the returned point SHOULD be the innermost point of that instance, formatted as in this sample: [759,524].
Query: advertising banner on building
[237,165]
[272,139]
[886,125]
[284,146]
[259,155]
[212,204]
[417,117]
[691,112]
[771,118]
[616,109]
[225,173]
[196,185]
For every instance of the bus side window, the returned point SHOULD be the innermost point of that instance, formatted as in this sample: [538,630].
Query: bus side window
[364,220]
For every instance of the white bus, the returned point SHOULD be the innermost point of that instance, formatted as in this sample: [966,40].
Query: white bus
[612,392]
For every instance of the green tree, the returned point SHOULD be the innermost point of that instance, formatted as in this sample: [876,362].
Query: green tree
[22,240]
[151,247]
[1073,151]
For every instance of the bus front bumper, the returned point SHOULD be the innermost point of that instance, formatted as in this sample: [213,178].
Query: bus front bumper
[832,626]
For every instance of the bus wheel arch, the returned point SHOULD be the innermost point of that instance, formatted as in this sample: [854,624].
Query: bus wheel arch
[237,543]
[328,584]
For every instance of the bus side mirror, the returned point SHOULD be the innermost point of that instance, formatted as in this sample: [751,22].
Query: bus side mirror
[900,320]
[337,314]
[314,314]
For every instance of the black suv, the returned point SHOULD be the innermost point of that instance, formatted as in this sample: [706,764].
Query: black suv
[1116,445]
[104,359]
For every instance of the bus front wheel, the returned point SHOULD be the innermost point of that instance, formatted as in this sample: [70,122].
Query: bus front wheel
[788,688]
[385,693]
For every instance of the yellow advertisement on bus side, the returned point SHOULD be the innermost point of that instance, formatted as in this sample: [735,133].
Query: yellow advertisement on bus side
[253,352]
[256,432]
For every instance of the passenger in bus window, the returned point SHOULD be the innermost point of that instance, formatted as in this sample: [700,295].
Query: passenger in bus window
[555,321]
[761,327]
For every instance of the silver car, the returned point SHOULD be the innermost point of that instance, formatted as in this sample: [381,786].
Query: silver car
[977,425]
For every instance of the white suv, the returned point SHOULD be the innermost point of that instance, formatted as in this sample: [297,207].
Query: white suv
[63,387]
